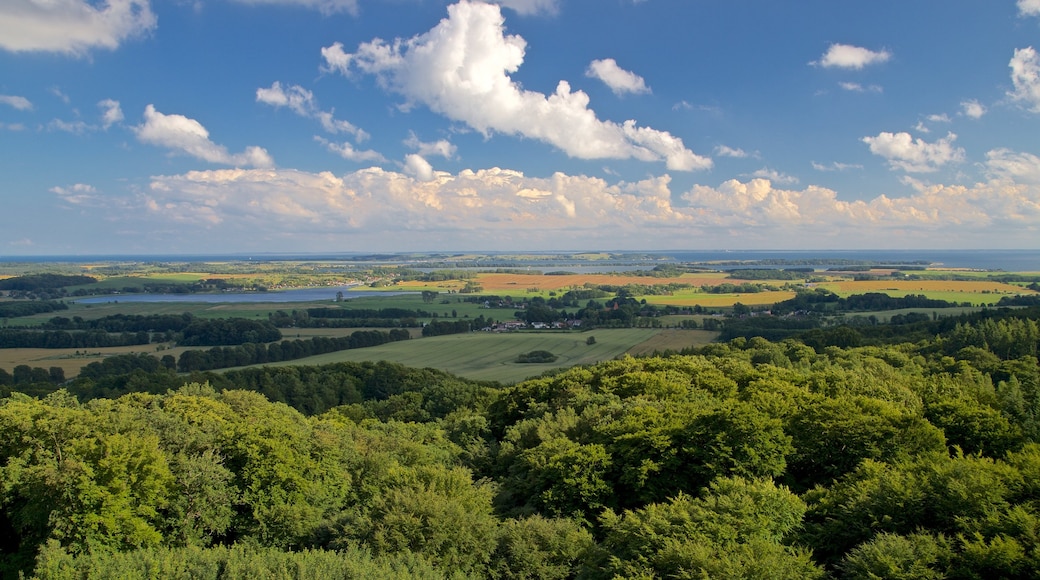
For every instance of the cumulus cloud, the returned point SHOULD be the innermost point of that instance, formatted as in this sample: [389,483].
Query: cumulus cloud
[1029,7]
[973,109]
[72,26]
[497,207]
[441,147]
[618,79]
[20,103]
[184,135]
[914,155]
[461,69]
[111,113]
[725,151]
[1008,164]
[301,101]
[1025,74]
[852,57]
[348,152]
[418,167]
[774,175]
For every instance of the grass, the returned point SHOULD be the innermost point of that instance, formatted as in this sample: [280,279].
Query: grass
[486,356]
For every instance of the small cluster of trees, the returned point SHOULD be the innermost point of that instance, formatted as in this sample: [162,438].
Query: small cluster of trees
[16,309]
[14,338]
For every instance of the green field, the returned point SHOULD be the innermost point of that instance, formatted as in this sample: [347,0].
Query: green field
[488,356]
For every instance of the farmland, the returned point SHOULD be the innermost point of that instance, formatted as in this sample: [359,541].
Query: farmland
[439,297]
[486,356]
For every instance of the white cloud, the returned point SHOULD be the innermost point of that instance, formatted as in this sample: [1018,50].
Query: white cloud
[530,7]
[185,135]
[440,147]
[326,7]
[301,101]
[1029,7]
[914,155]
[111,113]
[461,69]
[74,127]
[973,109]
[20,103]
[1012,165]
[853,57]
[938,118]
[725,151]
[71,26]
[76,194]
[858,88]
[774,175]
[499,208]
[618,79]
[12,126]
[1025,74]
[835,166]
[418,167]
[62,96]
[348,152]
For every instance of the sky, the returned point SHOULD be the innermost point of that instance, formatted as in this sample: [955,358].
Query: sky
[241,126]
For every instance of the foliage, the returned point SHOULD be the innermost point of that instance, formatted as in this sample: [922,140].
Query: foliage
[744,459]
[16,309]
[32,282]
[536,356]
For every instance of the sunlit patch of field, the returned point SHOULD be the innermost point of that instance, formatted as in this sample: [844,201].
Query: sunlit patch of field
[973,291]
[721,300]
[673,340]
[494,282]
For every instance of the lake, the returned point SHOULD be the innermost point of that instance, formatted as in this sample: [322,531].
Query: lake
[298,295]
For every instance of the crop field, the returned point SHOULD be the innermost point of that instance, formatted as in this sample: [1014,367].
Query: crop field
[489,356]
[517,283]
[673,340]
[976,292]
[720,300]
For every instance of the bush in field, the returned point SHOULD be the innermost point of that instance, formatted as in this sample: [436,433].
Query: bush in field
[536,356]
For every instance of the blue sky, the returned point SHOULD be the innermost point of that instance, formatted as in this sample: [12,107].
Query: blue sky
[216,126]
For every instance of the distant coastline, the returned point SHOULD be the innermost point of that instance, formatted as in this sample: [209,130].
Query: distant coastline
[1006,260]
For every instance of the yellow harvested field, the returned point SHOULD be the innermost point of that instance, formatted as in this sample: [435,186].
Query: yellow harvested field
[499,282]
[922,286]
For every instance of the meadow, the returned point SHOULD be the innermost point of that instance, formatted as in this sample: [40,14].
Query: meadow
[492,356]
